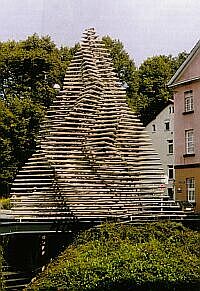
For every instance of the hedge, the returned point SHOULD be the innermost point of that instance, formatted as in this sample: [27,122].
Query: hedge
[116,257]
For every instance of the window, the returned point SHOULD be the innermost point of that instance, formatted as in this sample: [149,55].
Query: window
[190,188]
[170,146]
[171,109]
[153,127]
[170,171]
[167,125]
[189,141]
[188,101]
[170,193]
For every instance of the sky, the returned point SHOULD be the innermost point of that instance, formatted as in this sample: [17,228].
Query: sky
[145,27]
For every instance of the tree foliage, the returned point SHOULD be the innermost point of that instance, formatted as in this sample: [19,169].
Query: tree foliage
[28,71]
[124,67]
[19,125]
[153,93]
[146,87]
[31,67]
[155,256]
[1,271]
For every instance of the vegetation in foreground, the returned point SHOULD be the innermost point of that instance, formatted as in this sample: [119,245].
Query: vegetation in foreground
[118,257]
[1,263]
[5,203]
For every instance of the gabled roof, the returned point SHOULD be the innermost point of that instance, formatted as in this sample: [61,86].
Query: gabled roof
[184,65]
[169,102]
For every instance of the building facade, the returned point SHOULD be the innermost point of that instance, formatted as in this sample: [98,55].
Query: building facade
[186,87]
[161,131]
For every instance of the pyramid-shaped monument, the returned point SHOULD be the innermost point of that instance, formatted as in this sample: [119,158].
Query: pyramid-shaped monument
[93,158]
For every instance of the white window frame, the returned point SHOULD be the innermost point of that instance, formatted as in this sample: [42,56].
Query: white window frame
[189,141]
[190,188]
[189,102]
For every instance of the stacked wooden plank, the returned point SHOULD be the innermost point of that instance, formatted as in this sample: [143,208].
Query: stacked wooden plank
[94,159]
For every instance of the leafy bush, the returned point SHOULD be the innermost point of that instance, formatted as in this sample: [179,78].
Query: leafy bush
[153,256]
[1,266]
[5,203]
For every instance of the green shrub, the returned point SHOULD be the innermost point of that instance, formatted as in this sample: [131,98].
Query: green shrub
[5,203]
[1,266]
[114,257]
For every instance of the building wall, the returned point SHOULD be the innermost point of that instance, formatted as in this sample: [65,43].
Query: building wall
[192,70]
[160,138]
[187,164]
[180,184]
[186,121]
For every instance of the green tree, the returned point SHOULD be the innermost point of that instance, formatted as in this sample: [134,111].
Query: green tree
[28,71]
[146,87]
[30,67]
[66,55]
[153,93]
[125,69]
[178,60]
[1,269]
[19,125]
